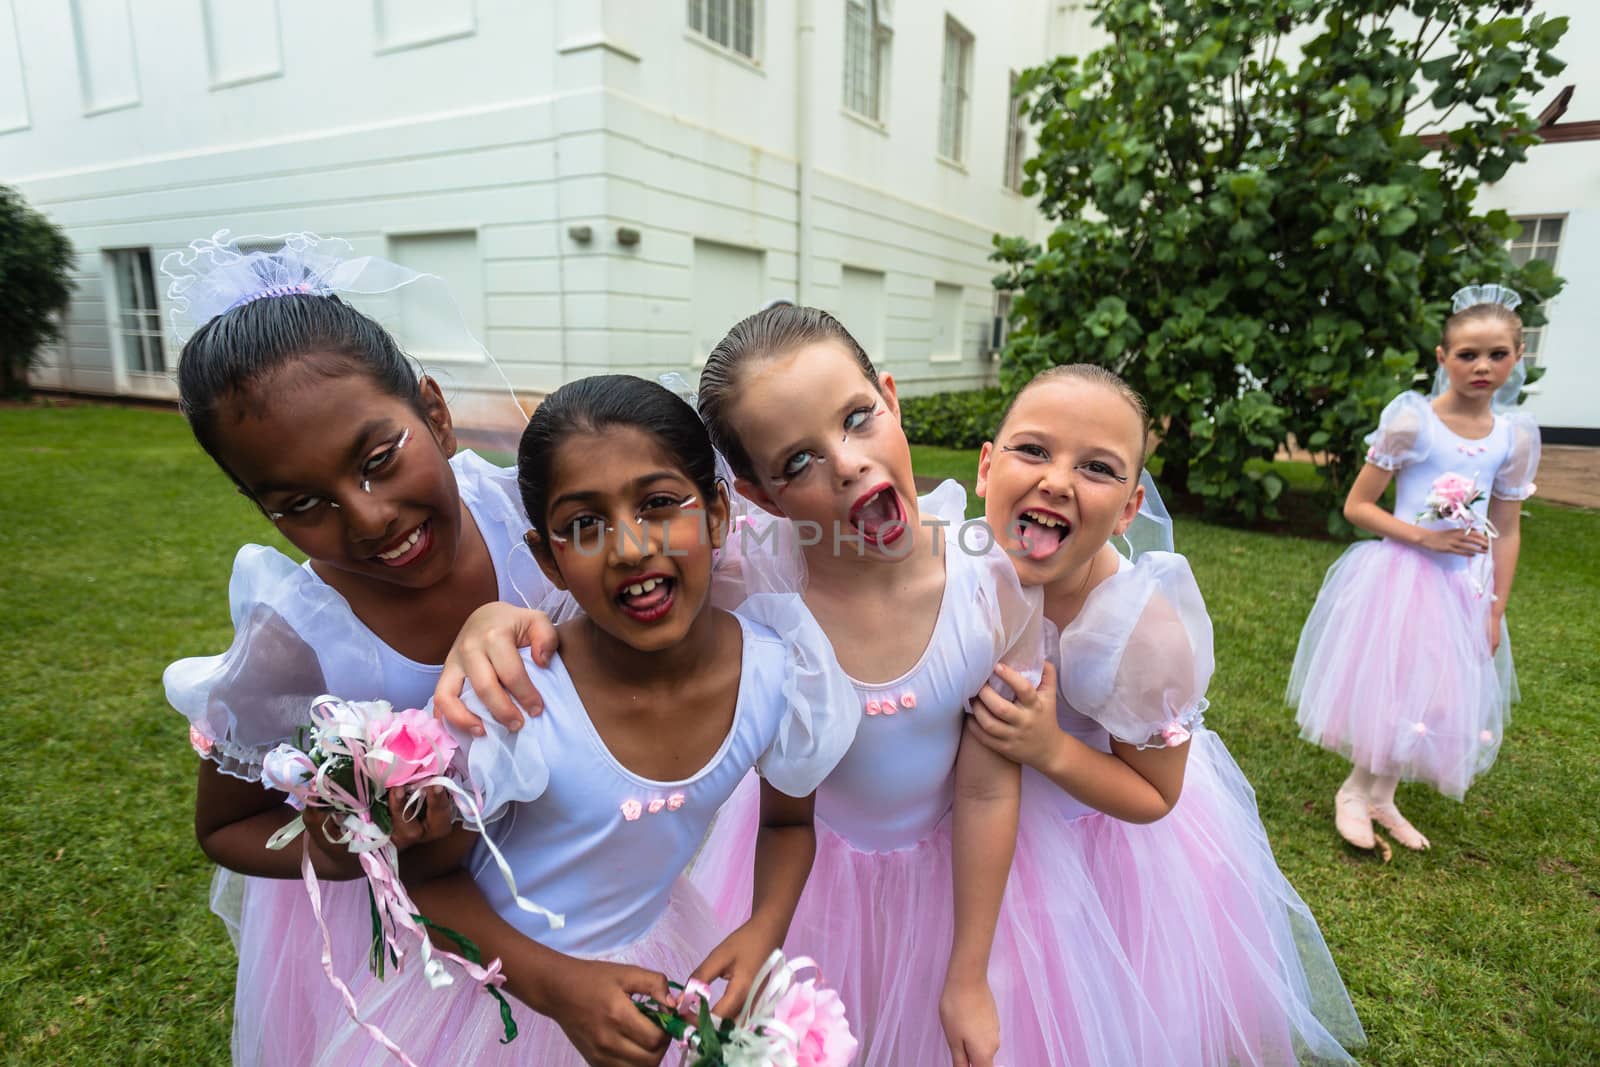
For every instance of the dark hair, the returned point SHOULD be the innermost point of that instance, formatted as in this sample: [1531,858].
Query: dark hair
[1506,315]
[1096,375]
[234,351]
[770,332]
[592,404]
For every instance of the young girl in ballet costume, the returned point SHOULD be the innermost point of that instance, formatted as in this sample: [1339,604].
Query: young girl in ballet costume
[317,416]
[1403,666]
[1119,767]
[915,826]
[656,707]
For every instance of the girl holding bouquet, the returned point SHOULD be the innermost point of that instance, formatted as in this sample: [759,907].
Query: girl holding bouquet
[316,414]
[1404,666]
[657,705]
[1120,770]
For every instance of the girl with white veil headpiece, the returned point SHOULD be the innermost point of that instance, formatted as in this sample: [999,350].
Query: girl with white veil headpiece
[298,378]
[1404,665]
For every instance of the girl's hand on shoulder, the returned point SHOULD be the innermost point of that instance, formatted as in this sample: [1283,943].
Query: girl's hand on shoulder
[487,652]
[592,1002]
[971,1021]
[737,960]
[429,819]
[1023,730]
[1455,541]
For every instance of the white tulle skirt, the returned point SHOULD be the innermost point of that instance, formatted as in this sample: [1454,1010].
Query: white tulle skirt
[1394,671]
[1223,948]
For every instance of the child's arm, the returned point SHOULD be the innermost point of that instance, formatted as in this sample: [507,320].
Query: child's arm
[988,795]
[1128,783]
[1361,507]
[785,846]
[487,652]
[590,1000]
[1507,518]
[234,819]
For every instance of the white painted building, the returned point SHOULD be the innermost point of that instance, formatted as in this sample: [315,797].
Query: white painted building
[607,185]
[1556,196]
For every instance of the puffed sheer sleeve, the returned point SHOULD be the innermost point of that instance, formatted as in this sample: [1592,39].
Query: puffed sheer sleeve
[294,639]
[1138,658]
[507,767]
[1404,433]
[821,711]
[1514,479]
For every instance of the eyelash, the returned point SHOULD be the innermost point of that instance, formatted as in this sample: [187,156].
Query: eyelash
[785,476]
[372,465]
[586,521]
[1035,452]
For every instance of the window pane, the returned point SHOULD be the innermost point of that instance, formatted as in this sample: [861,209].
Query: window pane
[1550,231]
[127,292]
[153,363]
[717,20]
[1520,254]
[1530,228]
[855,57]
[1530,340]
[697,15]
[744,27]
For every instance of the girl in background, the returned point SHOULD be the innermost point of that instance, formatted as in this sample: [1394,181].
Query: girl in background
[1404,667]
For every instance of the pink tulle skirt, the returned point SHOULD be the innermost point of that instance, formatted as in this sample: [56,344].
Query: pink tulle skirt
[1394,672]
[284,1008]
[1222,946]
[461,1023]
[880,926]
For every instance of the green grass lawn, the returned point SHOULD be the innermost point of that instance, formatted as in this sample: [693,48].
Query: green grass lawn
[120,536]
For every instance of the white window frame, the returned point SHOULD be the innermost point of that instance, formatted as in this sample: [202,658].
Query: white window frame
[955,90]
[732,26]
[1016,138]
[135,331]
[1524,247]
[868,37]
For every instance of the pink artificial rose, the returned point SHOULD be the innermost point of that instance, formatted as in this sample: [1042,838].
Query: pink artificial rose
[200,742]
[1174,734]
[407,746]
[1455,490]
[816,1017]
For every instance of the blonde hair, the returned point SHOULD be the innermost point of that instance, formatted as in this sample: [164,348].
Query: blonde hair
[1506,315]
[1093,374]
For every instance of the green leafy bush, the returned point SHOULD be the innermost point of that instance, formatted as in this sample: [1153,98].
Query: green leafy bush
[1266,250]
[35,257]
[955,420]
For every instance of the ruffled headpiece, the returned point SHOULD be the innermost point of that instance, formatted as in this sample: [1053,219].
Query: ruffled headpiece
[212,276]
[1473,295]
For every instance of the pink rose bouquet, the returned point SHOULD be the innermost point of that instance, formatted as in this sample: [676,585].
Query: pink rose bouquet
[785,1022]
[1451,498]
[349,757]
